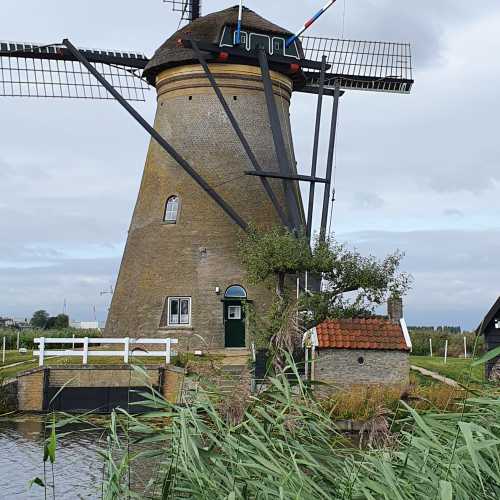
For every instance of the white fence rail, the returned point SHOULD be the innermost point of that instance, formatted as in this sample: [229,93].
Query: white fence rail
[131,348]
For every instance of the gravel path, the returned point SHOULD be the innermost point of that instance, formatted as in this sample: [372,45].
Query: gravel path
[436,376]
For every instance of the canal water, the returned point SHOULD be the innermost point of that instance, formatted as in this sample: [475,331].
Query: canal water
[78,469]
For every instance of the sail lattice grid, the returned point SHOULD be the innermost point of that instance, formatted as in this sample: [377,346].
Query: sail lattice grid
[185,7]
[28,70]
[362,65]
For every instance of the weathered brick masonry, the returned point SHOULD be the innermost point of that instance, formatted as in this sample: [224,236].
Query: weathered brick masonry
[31,385]
[363,351]
[342,367]
[30,390]
[199,253]
[98,376]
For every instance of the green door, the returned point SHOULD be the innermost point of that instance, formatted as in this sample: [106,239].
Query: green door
[234,323]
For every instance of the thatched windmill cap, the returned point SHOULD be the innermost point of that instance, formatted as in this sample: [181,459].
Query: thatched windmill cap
[206,29]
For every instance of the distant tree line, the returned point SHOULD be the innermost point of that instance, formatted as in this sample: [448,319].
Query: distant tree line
[446,329]
[41,319]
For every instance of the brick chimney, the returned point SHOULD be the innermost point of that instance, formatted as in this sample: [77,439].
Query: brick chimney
[395,308]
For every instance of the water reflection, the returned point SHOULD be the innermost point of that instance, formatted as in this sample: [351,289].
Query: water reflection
[78,469]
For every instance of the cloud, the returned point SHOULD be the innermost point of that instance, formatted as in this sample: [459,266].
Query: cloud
[455,272]
[453,212]
[78,282]
[367,201]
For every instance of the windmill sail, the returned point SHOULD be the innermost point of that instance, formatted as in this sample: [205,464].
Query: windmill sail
[188,9]
[33,70]
[360,65]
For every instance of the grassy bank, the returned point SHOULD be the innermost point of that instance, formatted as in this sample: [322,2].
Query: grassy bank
[455,368]
[31,362]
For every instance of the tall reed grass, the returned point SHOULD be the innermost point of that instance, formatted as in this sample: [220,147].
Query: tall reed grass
[285,445]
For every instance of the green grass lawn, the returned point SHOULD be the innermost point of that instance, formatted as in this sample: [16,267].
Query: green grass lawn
[455,368]
[15,357]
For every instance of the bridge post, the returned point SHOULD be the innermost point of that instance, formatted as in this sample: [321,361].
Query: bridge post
[167,351]
[126,350]
[41,351]
[85,350]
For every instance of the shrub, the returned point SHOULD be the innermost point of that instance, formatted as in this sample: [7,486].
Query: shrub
[420,341]
[26,337]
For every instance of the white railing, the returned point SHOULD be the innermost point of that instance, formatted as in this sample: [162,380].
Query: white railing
[128,348]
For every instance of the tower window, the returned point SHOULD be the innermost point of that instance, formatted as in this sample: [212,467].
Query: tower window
[279,46]
[179,311]
[171,210]
[260,42]
[235,292]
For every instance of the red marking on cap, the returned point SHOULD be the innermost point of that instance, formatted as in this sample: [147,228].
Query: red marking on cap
[223,56]
[294,67]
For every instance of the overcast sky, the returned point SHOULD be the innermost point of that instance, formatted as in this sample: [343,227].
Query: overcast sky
[419,173]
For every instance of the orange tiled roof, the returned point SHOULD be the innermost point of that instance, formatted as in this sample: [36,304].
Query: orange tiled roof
[357,333]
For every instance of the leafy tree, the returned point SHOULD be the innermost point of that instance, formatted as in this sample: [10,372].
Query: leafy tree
[274,254]
[39,319]
[51,323]
[353,284]
[61,322]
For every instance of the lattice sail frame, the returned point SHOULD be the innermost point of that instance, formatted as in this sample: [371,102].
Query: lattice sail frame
[361,65]
[185,7]
[33,70]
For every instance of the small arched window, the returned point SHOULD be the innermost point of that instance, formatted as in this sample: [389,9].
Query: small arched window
[235,292]
[171,210]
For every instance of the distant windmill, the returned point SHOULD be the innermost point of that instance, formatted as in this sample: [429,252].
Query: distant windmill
[221,155]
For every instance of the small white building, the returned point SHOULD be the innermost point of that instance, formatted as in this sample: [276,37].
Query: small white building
[85,325]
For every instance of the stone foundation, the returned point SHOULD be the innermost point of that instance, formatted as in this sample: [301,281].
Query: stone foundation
[344,368]
[33,386]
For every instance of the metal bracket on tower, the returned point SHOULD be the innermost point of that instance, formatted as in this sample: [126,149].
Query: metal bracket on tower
[329,166]
[279,142]
[317,131]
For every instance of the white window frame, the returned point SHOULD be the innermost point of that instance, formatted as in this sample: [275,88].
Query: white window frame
[179,324]
[234,308]
[284,45]
[244,39]
[172,221]
[497,323]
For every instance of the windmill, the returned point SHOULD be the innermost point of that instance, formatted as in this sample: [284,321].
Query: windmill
[221,155]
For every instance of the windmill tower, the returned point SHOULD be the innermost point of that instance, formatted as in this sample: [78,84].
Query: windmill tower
[221,155]
[181,272]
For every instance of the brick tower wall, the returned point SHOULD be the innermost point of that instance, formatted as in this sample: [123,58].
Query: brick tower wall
[199,253]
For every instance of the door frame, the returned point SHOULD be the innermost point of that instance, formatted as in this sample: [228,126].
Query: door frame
[226,303]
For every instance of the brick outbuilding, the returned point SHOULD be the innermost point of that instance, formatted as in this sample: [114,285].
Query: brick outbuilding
[363,351]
